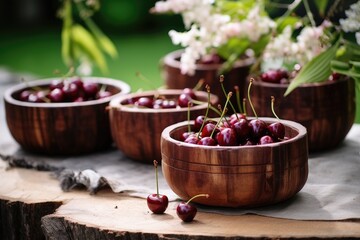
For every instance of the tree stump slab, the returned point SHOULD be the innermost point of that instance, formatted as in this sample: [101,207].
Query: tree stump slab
[32,206]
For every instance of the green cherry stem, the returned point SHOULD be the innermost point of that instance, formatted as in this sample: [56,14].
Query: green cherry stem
[251,105]
[196,196]
[224,91]
[223,113]
[207,111]
[272,107]
[199,84]
[244,105]
[237,91]
[156,177]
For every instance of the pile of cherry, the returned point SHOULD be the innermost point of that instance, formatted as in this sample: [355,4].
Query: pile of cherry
[160,102]
[64,90]
[235,130]
[282,76]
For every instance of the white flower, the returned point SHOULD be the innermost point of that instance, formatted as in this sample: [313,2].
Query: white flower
[357,35]
[352,22]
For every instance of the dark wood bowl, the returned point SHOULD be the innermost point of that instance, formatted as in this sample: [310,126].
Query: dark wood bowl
[210,73]
[66,128]
[137,131]
[240,176]
[327,110]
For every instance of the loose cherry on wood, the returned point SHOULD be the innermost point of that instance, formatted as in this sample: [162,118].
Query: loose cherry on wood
[187,212]
[156,202]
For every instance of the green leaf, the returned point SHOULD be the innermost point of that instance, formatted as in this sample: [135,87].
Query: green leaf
[283,22]
[321,6]
[317,70]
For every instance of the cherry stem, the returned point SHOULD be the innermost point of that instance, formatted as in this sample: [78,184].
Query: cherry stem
[156,177]
[224,91]
[272,107]
[237,90]
[207,111]
[103,88]
[251,105]
[199,84]
[223,112]
[211,107]
[244,105]
[188,116]
[196,196]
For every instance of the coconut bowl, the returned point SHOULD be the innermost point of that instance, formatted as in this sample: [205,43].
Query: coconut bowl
[236,176]
[61,128]
[326,109]
[137,131]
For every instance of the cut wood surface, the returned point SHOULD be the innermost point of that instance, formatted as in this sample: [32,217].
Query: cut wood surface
[32,206]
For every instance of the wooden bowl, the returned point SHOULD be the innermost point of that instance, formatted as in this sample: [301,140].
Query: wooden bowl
[327,109]
[210,73]
[61,128]
[137,131]
[240,176]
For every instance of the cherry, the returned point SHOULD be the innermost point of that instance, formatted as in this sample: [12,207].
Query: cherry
[190,92]
[207,141]
[56,95]
[24,95]
[185,135]
[103,94]
[198,122]
[193,139]
[257,129]
[184,100]
[265,140]
[276,129]
[208,129]
[79,83]
[90,89]
[168,103]
[71,91]
[156,202]
[33,97]
[56,83]
[227,137]
[187,212]
[274,76]
[144,102]
[242,129]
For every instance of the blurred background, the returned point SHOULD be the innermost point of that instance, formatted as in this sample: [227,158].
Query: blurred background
[30,40]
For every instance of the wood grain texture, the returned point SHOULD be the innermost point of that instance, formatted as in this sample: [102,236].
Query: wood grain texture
[115,216]
[210,73]
[240,176]
[327,110]
[137,132]
[61,128]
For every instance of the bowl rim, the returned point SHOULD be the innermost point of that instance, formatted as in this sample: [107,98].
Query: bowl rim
[124,87]
[170,59]
[115,103]
[302,132]
[284,86]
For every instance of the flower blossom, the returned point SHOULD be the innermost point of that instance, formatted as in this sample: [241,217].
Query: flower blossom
[352,21]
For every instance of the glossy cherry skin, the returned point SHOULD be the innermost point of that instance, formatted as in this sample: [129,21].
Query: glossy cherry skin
[190,92]
[227,137]
[242,129]
[198,122]
[265,140]
[90,89]
[183,100]
[24,95]
[274,76]
[185,135]
[56,83]
[276,130]
[258,129]
[157,203]
[192,139]
[71,92]
[144,102]
[168,103]
[186,212]
[208,129]
[207,141]
[56,95]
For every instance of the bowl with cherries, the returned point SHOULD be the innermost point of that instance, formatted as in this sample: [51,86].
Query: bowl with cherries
[326,109]
[137,119]
[62,116]
[239,161]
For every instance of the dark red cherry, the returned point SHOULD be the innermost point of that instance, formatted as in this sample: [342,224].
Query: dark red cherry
[265,140]
[193,139]
[103,94]
[207,141]
[276,130]
[208,129]
[79,83]
[184,100]
[56,83]
[227,137]
[242,129]
[71,92]
[168,103]
[273,76]
[144,102]
[198,122]
[187,212]
[157,203]
[258,129]
[33,97]
[24,95]
[185,135]
[56,95]
[90,89]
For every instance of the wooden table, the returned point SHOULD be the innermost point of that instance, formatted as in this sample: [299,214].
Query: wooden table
[32,206]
